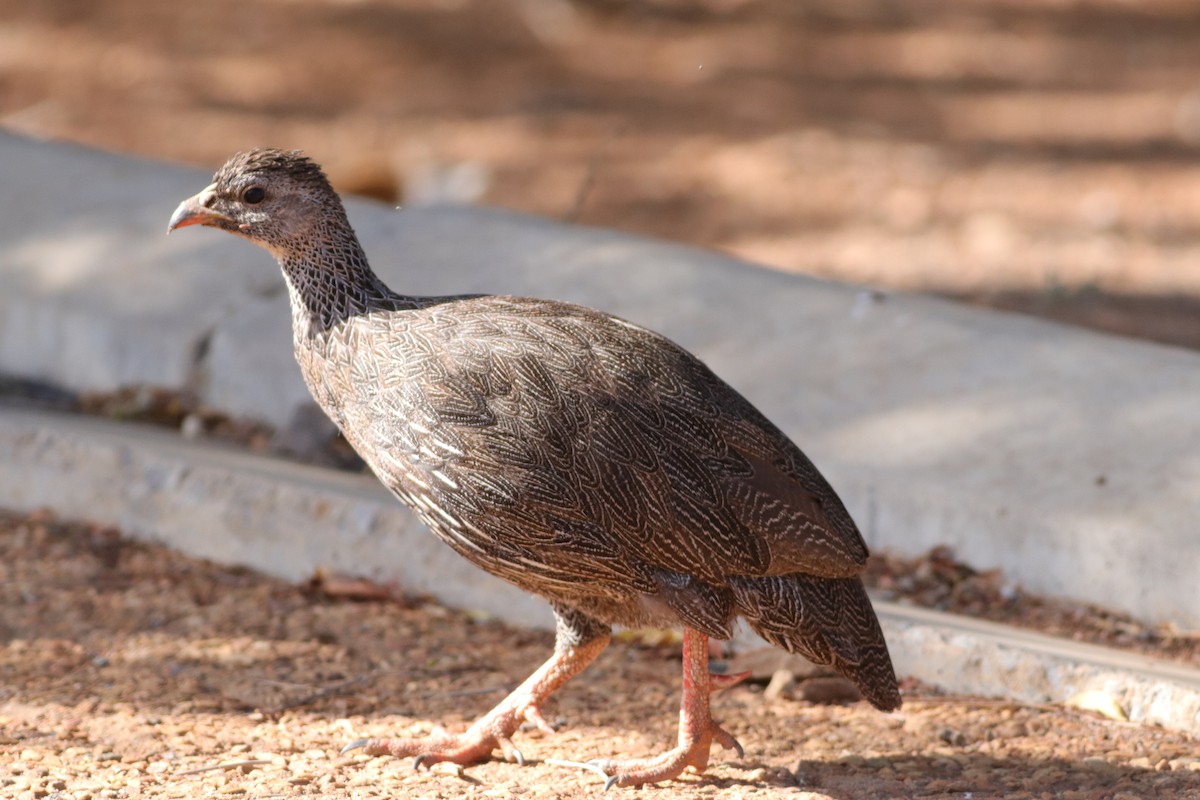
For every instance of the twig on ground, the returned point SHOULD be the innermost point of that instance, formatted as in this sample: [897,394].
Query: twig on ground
[325,691]
[253,762]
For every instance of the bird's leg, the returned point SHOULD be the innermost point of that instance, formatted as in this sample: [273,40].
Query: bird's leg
[697,729]
[495,729]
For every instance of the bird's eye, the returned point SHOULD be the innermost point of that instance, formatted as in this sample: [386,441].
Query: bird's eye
[254,195]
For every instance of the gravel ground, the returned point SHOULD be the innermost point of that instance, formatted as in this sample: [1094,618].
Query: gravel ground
[128,670]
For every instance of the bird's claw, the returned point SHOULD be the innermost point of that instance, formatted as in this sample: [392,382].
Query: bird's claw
[590,766]
[511,753]
[609,780]
[726,740]
[355,745]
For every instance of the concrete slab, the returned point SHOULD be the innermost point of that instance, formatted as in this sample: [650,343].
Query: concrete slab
[1070,460]
[288,521]
[92,295]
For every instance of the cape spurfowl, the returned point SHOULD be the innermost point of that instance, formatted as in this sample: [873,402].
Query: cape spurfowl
[572,453]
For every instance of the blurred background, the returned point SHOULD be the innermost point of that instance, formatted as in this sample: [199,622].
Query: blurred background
[1036,155]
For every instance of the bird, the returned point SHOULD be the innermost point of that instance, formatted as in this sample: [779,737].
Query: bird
[572,453]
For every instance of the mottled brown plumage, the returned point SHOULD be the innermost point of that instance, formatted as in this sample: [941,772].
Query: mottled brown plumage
[570,452]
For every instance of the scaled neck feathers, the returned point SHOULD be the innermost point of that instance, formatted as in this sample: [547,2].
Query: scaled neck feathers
[329,279]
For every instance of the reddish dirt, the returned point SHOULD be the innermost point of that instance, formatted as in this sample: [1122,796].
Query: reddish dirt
[1029,154]
[130,671]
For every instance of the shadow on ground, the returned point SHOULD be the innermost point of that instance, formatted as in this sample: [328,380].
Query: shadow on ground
[1169,319]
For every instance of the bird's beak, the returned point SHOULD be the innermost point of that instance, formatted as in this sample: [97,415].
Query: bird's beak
[196,211]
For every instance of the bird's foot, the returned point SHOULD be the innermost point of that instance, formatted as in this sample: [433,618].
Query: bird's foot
[697,729]
[663,767]
[494,730]
[490,733]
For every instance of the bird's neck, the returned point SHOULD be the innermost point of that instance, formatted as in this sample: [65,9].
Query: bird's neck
[329,281]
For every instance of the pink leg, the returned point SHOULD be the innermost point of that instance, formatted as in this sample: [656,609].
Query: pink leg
[494,729]
[697,729]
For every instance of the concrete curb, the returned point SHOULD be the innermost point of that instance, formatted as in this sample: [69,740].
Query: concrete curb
[288,520]
[214,502]
[970,656]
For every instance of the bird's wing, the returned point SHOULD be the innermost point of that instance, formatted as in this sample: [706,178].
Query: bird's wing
[585,443]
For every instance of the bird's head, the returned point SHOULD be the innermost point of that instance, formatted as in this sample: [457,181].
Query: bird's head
[275,198]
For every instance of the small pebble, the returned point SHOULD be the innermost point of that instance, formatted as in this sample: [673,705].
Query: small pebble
[192,427]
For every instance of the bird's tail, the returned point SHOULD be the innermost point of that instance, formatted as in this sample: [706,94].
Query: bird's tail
[829,621]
